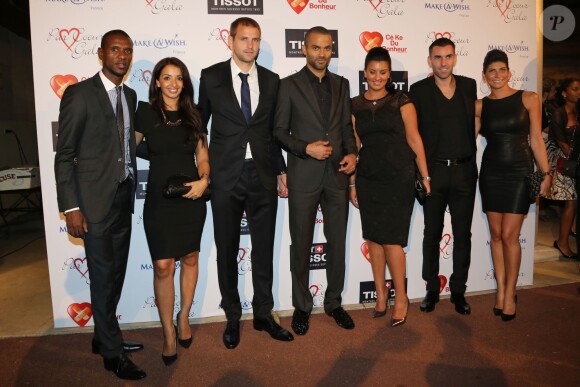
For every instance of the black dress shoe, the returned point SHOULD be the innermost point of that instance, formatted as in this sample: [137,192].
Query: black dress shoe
[232,334]
[507,317]
[185,343]
[342,318]
[169,360]
[428,303]
[128,346]
[461,306]
[273,328]
[497,311]
[124,368]
[300,322]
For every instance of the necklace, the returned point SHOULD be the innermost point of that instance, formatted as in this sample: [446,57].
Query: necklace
[170,123]
[374,101]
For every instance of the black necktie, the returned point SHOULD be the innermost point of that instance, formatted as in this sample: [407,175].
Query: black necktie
[121,129]
[246,101]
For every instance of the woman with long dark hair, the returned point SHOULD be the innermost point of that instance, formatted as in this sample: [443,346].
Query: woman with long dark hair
[387,135]
[170,124]
[511,122]
[563,126]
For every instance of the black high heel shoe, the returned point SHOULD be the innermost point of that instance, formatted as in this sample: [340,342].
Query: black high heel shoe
[169,360]
[185,343]
[377,313]
[508,317]
[573,256]
[497,311]
[400,321]
[573,234]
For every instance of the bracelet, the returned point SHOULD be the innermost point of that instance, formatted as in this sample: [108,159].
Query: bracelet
[426,178]
[546,174]
[351,185]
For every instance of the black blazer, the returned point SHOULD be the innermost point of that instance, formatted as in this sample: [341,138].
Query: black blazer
[88,150]
[423,96]
[299,122]
[230,133]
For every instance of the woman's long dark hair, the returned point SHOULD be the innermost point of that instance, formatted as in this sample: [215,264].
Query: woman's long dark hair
[564,84]
[190,116]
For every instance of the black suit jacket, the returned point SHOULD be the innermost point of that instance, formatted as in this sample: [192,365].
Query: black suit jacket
[299,122]
[230,133]
[423,94]
[88,150]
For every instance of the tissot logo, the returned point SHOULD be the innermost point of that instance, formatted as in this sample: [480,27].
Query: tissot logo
[239,7]
[142,176]
[244,227]
[295,40]
[368,291]
[399,80]
[318,256]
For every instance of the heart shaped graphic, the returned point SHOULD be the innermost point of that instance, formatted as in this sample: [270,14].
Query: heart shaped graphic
[445,242]
[314,290]
[149,3]
[443,35]
[241,254]
[59,83]
[224,36]
[298,5]
[64,34]
[80,313]
[146,75]
[364,248]
[78,262]
[370,40]
[503,5]
[442,282]
[375,6]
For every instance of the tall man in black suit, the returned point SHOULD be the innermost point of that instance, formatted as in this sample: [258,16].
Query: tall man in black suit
[445,106]
[313,123]
[240,96]
[95,173]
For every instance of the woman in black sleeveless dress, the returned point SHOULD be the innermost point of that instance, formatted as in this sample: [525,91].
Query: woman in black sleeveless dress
[385,124]
[171,126]
[511,122]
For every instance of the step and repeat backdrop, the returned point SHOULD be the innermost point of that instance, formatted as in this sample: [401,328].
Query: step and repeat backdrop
[66,35]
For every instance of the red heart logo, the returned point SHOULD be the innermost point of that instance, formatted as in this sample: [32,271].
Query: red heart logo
[80,313]
[443,35]
[314,290]
[298,5]
[445,241]
[224,36]
[442,282]
[375,6]
[503,5]
[64,34]
[59,83]
[146,75]
[364,248]
[78,262]
[370,40]
[241,254]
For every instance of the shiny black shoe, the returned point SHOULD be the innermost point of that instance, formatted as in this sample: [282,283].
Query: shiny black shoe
[400,321]
[169,360]
[573,234]
[185,343]
[232,334]
[428,303]
[573,256]
[378,313]
[300,322]
[497,311]
[273,328]
[124,368]
[461,306]
[507,317]
[128,347]
[342,318]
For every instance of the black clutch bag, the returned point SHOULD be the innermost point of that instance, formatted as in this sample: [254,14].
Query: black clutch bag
[174,187]
[534,180]
[420,189]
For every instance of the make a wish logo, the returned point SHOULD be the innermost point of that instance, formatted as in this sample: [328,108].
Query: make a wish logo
[75,40]
[461,42]
[384,8]
[162,42]
[95,5]
[461,7]
[521,48]
[160,6]
[218,34]
[78,268]
[511,10]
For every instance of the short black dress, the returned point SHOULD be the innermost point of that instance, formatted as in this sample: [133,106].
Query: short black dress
[173,227]
[386,171]
[507,158]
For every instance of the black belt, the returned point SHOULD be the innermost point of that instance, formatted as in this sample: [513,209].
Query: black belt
[450,162]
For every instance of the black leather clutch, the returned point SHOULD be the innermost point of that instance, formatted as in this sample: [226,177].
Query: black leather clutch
[420,189]
[174,187]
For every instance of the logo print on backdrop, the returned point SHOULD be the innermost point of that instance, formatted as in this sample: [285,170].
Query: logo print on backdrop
[319,217]
[460,42]
[142,177]
[489,275]
[158,6]
[383,8]
[75,41]
[512,48]
[318,256]
[79,266]
[244,226]
[503,5]
[442,283]
[448,6]
[510,10]
[295,40]
[59,83]
[235,7]
[370,40]
[80,313]
[140,78]
[399,80]
[71,35]
[317,291]
[298,5]
[244,260]
[221,34]
[364,248]
[368,291]
[446,246]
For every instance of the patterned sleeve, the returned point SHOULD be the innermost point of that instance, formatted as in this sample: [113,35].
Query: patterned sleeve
[404,99]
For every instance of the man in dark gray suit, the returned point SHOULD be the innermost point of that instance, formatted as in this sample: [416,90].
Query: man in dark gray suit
[95,180]
[313,124]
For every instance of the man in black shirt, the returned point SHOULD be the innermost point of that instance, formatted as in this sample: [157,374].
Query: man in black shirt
[445,106]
